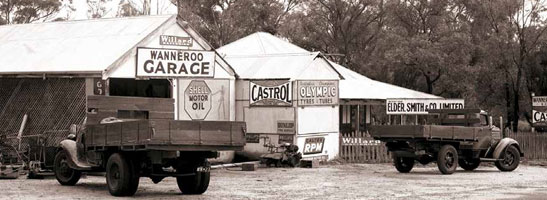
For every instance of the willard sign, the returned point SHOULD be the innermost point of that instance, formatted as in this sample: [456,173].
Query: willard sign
[270,93]
[539,111]
[420,106]
[153,62]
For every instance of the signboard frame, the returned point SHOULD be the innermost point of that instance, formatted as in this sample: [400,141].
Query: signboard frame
[314,150]
[213,64]
[539,109]
[208,99]
[279,103]
[336,99]
[189,44]
[405,101]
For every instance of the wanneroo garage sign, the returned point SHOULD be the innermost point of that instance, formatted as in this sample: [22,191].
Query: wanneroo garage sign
[153,62]
[315,93]
[539,111]
[420,106]
[270,93]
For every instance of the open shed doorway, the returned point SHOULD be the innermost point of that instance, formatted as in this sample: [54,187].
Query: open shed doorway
[155,88]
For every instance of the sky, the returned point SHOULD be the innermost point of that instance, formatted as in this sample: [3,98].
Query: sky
[81,9]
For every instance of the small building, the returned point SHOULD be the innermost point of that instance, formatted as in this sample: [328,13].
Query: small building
[58,73]
[303,107]
[267,61]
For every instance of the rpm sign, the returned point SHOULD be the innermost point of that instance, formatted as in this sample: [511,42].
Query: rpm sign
[153,62]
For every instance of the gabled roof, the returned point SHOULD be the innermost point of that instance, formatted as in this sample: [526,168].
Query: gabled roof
[281,66]
[260,43]
[262,55]
[86,46]
[357,86]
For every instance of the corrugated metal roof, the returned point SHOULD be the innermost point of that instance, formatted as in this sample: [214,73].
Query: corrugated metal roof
[260,43]
[357,86]
[262,55]
[87,46]
[277,66]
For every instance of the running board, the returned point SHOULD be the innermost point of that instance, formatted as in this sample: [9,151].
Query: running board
[489,159]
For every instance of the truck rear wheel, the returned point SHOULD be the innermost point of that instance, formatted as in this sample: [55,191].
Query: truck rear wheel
[511,159]
[63,173]
[469,164]
[447,159]
[197,183]
[403,164]
[121,178]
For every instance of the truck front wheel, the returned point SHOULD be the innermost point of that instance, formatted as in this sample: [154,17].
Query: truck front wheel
[63,173]
[196,183]
[447,159]
[403,164]
[510,161]
[121,177]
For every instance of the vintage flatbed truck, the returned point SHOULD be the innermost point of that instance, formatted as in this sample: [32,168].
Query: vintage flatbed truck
[464,137]
[128,149]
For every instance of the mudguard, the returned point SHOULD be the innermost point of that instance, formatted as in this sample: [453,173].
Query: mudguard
[502,144]
[69,146]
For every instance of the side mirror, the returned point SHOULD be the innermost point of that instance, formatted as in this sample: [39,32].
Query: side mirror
[490,122]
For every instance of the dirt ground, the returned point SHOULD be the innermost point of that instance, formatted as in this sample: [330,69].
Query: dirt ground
[347,181]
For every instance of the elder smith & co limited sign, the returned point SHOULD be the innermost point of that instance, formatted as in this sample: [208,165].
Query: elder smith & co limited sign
[270,93]
[313,93]
[152,62]
[420,106]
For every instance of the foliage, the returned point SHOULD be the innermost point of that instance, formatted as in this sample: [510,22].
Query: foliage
[27,11]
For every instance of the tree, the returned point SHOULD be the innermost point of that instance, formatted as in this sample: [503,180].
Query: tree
[27,11]
[224,21]
[517,28]
[345,30]
[432,47]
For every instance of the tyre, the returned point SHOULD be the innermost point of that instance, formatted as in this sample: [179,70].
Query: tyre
[402,164]
[511,159]
[63,173]
[121,177]
[194,184]
[469,164]
[447,159]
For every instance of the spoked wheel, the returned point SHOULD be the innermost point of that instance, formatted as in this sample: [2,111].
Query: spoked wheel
[196,183]
[469,164]
[121,178]
[63,173]
[402,164]
[511,159]
[447,159]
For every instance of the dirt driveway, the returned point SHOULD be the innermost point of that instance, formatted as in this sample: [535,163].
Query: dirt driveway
[348,181]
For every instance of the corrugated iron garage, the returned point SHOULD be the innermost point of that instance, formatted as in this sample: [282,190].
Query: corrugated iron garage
[285,94]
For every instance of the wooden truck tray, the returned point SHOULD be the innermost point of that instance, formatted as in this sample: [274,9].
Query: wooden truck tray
[167,135]
[428,132]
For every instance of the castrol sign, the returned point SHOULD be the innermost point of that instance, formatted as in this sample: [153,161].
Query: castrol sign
[154,62]
[539,111]
[197,99]
[270,93]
